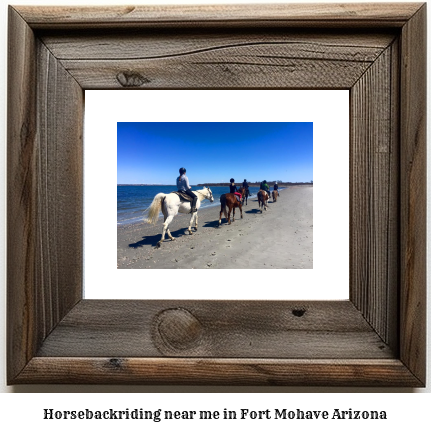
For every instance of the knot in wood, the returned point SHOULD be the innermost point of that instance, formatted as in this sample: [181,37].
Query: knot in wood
[131,79]
[298,312]
[178,329]
[115,363]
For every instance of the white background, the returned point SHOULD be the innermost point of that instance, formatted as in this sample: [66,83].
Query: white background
[24,410]
[329,113]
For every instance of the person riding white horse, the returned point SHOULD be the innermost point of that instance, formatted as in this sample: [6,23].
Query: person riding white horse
[183,186]
[171,204]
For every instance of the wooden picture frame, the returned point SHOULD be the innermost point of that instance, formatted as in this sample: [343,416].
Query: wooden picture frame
[376,338]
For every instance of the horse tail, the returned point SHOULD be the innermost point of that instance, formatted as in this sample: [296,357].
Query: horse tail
[155,207]
[223,204]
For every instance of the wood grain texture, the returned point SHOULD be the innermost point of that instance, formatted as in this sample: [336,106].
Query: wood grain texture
[210,59]
[376,338]
[59,183]
[226,329]
[282,64]
[21,195]
[140,44]
[374,194]
[197,371]
[45,105]
[300,14]
[413,194]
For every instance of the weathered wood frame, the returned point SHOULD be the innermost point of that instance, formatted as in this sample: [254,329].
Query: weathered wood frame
[376,338]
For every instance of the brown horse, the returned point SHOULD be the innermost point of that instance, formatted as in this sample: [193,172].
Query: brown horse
[244,193]
[274,196]
[262,198]
[230,201]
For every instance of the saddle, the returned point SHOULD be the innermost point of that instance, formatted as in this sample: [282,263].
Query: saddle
[183,196]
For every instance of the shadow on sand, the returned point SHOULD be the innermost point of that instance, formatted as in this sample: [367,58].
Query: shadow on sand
[211,224]
[252,211]
[152,240]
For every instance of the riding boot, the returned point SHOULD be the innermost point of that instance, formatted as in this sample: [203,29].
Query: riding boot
[194,209]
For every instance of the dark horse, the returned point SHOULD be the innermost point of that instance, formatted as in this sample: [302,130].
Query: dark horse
[245,193]
[230,201]
[262,198]
[274,196]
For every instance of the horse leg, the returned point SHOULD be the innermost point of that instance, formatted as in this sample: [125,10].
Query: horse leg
[228,216]
[240,209]
[191,222]
[233,217]
[166,223]
[169,234]
[196,221]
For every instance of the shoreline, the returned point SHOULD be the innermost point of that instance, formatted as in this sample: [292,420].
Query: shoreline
[206,204]
[281,237]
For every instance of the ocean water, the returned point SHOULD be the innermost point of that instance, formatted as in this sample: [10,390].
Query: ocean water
[132,201]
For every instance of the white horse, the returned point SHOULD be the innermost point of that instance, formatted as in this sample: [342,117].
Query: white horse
[170,205]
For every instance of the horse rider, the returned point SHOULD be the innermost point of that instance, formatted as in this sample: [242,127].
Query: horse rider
[233,189]
[245,186]
[276,187]
[264,186]
[183,186]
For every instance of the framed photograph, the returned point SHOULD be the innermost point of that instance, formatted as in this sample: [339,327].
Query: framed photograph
[217,135]
[375,337]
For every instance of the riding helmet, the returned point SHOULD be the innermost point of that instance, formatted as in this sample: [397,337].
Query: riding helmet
[232,180]
[182,171]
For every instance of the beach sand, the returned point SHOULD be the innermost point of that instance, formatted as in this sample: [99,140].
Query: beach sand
[281,238]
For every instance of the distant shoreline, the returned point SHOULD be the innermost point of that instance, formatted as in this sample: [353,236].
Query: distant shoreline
[283,184]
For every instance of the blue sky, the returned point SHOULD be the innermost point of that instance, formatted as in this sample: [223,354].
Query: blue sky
[214,152]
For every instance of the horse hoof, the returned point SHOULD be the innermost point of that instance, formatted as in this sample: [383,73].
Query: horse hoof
[158,244]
